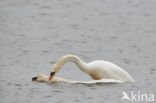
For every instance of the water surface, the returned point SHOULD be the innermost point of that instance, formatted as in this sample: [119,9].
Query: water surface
[34,34]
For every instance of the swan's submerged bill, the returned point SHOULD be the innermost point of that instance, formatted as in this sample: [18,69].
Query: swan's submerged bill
[98,69]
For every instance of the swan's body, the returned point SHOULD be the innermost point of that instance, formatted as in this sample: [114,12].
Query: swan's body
[98,69]
[44,78]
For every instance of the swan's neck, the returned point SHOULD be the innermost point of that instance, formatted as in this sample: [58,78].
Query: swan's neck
[72,58]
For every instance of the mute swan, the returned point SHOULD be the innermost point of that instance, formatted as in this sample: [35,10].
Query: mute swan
[98,69]
[44,78]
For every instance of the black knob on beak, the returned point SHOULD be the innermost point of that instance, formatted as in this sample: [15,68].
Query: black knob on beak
[34,78]
[51,75]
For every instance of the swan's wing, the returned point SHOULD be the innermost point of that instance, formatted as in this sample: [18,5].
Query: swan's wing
[59,79]
[98,81]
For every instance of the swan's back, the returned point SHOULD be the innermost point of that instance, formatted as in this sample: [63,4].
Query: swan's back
[108,70]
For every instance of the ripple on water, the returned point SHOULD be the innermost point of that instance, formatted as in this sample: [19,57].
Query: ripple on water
[89,97]
[9,84]
[19,85]
[127,61]
[46,7]
[19,88]
[152,70]
[77,100]
[82,93]
[47,96]
[26,84]
[93,88]
[57,91]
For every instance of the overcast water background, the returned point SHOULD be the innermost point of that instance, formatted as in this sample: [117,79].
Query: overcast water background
[34,34]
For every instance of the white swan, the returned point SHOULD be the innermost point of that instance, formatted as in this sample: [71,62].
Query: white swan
[44,78]
[98,69]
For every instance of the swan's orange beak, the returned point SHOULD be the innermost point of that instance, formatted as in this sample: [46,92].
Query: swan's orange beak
[51,75]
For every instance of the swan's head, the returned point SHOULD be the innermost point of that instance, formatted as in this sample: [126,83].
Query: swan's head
[40,78]
[54,70]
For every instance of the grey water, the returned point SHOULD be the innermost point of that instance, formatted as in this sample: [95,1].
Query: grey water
[34,34]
